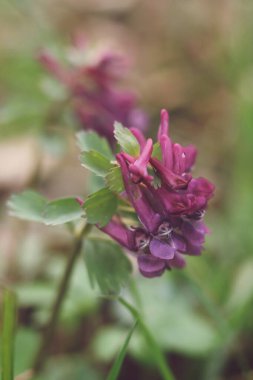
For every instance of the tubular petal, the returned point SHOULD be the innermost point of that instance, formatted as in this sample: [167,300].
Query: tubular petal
[121,234]
[164,124]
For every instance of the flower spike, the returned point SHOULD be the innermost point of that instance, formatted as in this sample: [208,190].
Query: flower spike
[169,213]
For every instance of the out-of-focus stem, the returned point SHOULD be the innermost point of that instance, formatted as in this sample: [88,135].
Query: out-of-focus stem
[159,358]
[8,334]
[63,287]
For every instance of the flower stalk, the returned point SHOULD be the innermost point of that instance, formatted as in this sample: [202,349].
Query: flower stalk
[56,309]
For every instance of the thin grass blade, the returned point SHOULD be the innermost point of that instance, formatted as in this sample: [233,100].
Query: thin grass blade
[151,342]
[115,370]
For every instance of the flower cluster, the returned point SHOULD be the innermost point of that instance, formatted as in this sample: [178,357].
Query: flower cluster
[169,202]
[93,85]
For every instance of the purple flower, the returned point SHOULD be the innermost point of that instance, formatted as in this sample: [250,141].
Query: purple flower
[169,221]
[94,89]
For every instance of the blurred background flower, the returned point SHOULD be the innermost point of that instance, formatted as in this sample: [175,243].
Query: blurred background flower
[195,59]
[92,82]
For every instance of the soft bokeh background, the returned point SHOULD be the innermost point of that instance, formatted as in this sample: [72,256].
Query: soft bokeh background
[194,58]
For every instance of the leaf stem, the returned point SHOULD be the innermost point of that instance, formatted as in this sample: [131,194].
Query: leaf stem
[48,335]
[157,354]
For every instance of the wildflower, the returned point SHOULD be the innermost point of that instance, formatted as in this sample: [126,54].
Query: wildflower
[170,216]
[93,86]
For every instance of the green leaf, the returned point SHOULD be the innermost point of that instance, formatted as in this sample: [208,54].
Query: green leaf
[28,205]
[96,162]
[115,370]
[157,151]
[8,334]
[242,287]
[89,140]
[156,183]
[114,179]
[69,366]
[107,265]
[176,322]
[62,211]
[180,339]
[100,206]
[29,339]
[126,139]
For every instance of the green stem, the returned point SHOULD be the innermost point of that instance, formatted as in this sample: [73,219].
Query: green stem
[63,287]
[135,294]
[157,354]
[9,325]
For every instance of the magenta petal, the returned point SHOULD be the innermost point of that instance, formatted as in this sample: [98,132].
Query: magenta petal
[164,124]
[178,261]
[150,266]
[51,64]
[145,155]
[139,137]
[139,167]
[167,151]
[201,187]
[197,203]
[179,242]
[194,249]
[121,234]
[174,203]
[195,233]
[172,180]
[178,159]
[161,249]
[190,156]
[111,67]
[138,118]
[148,217]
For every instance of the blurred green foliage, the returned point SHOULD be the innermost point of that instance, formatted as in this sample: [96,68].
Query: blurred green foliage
[201,317]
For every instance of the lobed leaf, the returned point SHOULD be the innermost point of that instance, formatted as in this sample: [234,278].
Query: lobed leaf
[126,139]
[114,179]
[107,265]
[61,211]
[27,205]
[31,206]
[100,206]
[89,140]
[96,162]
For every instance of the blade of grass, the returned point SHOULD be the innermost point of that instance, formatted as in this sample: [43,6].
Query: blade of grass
[151,342]
[8,332]
[115,370]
